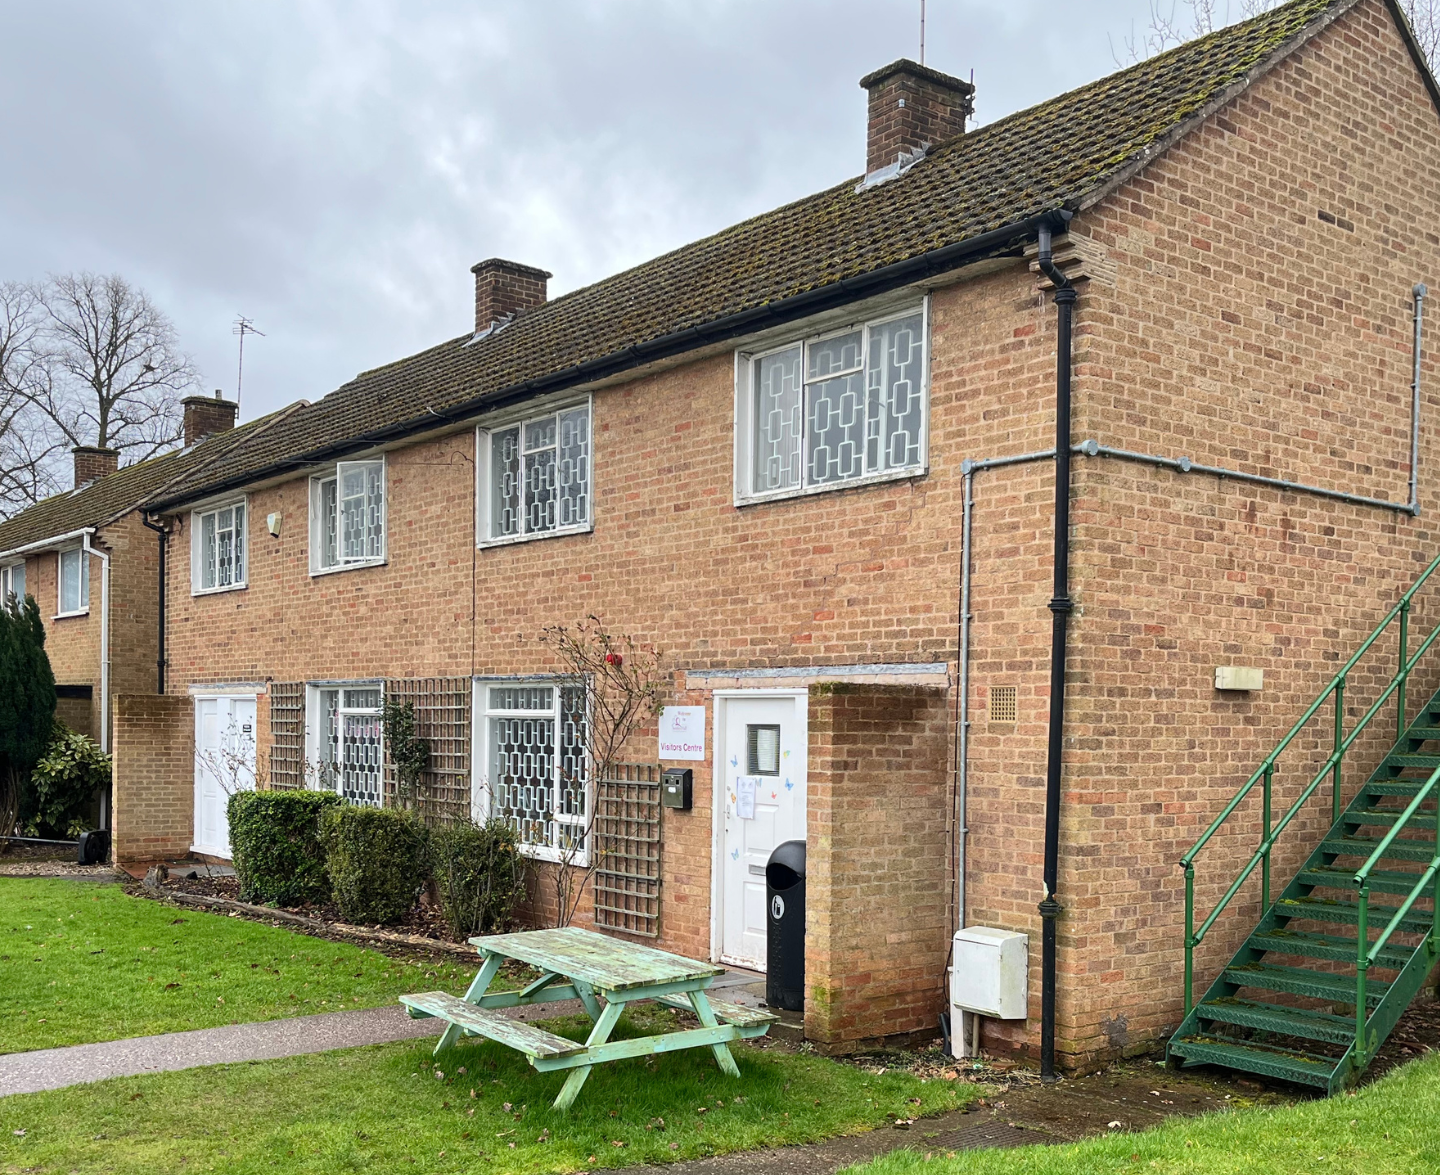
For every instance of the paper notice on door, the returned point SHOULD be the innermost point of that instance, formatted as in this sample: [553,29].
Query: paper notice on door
[745,797]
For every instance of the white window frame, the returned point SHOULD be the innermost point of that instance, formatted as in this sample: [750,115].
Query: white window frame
[483,464]
[317,518]
[481,792]
[84,587]
[197,554]
[7,582]
[745,361]
[319,774]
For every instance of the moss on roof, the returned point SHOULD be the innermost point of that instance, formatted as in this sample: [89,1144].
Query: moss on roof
[107,498]
[1063,153]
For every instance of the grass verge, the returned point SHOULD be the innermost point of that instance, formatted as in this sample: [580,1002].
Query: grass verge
[1388,1128]
[81,962]
[383,1108]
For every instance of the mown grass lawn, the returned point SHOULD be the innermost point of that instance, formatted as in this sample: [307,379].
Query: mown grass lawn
[383,1108]
[82,962]
[1389,1128]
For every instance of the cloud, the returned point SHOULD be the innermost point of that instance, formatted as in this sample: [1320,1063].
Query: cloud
[333,170]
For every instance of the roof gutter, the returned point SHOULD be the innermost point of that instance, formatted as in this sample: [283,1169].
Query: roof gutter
[816,301]
[50,544]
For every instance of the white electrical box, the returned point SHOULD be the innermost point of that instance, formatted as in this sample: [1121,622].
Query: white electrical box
[989,974]
[1239,677]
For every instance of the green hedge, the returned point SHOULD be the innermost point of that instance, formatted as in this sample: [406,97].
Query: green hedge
[479,873]
[377,861]
[60,801]
[275,839]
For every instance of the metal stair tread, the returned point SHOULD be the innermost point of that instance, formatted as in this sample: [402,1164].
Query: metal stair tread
[1325,946]
[1399,849]
[1382,817]
[1322,985]
[1304,1068]
[1381,881]
[1324,910]
[1299,1022]
[1413,759]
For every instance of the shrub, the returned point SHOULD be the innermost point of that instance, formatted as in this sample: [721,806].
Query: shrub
[27,702]
[479,873]
[376,858]
[275,838]
[63,784]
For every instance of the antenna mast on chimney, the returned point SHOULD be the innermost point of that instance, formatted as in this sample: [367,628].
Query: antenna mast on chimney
[922,32]
[243,326]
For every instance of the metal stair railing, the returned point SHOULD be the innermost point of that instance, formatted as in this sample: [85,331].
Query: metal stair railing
[1265,774]
[1423,881]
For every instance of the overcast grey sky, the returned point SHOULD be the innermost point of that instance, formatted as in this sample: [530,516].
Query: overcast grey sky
[332,170]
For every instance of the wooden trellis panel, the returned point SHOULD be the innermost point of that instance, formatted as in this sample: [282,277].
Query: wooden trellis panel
[442,716]
[627,839]
[287,735]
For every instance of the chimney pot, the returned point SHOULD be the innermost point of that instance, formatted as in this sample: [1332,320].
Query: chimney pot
[911,106]
[504,288]
[92,463]
[205,417]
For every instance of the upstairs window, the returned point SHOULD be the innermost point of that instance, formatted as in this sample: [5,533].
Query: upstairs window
[12,583]
[834,410]
[347,517]
[535,476]
[74,582]
[217,549]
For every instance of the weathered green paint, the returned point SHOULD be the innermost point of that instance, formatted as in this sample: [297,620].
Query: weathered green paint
[580,964]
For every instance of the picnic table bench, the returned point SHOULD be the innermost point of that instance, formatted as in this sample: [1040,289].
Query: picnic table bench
[576,964]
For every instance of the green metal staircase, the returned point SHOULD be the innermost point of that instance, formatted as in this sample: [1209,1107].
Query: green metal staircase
[1298,1000]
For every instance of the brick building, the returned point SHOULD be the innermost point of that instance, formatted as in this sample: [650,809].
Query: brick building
[87,558]
[812,460]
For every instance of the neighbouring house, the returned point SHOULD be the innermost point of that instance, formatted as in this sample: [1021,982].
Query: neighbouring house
[94,568]
[813,458]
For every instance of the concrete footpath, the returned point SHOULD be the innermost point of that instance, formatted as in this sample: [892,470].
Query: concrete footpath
[54,1068]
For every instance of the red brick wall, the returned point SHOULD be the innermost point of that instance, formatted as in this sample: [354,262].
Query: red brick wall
[154,816]
[877,862]
[1227,322]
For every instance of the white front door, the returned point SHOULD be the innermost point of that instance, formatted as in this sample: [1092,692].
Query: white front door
[760,763]
[224,764]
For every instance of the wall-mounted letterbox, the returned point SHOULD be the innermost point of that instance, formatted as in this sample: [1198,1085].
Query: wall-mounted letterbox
[675,788]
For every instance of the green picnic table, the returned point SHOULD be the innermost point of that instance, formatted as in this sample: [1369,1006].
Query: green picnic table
[605,975]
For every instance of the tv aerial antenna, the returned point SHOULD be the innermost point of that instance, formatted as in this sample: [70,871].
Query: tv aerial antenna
[243,326]
[922,32]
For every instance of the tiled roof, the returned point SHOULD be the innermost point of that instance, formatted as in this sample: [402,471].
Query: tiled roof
[1066,153]
[107,498]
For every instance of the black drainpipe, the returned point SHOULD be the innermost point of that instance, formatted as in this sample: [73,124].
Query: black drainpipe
[159,529]
[1060,613]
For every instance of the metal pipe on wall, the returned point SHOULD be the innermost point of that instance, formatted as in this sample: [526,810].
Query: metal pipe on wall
[104,659]
[164,535]
[1418,292]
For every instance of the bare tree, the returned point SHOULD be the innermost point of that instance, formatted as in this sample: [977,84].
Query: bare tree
[28,442]
[621,684]
[1173,22]
[113,370]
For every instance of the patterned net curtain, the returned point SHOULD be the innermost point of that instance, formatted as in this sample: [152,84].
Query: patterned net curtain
[858,410]
[537,768]
[541,474]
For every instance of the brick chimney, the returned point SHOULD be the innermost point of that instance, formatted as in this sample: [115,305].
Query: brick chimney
[204,416]
[503,288]
[92,463]
[910,106]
